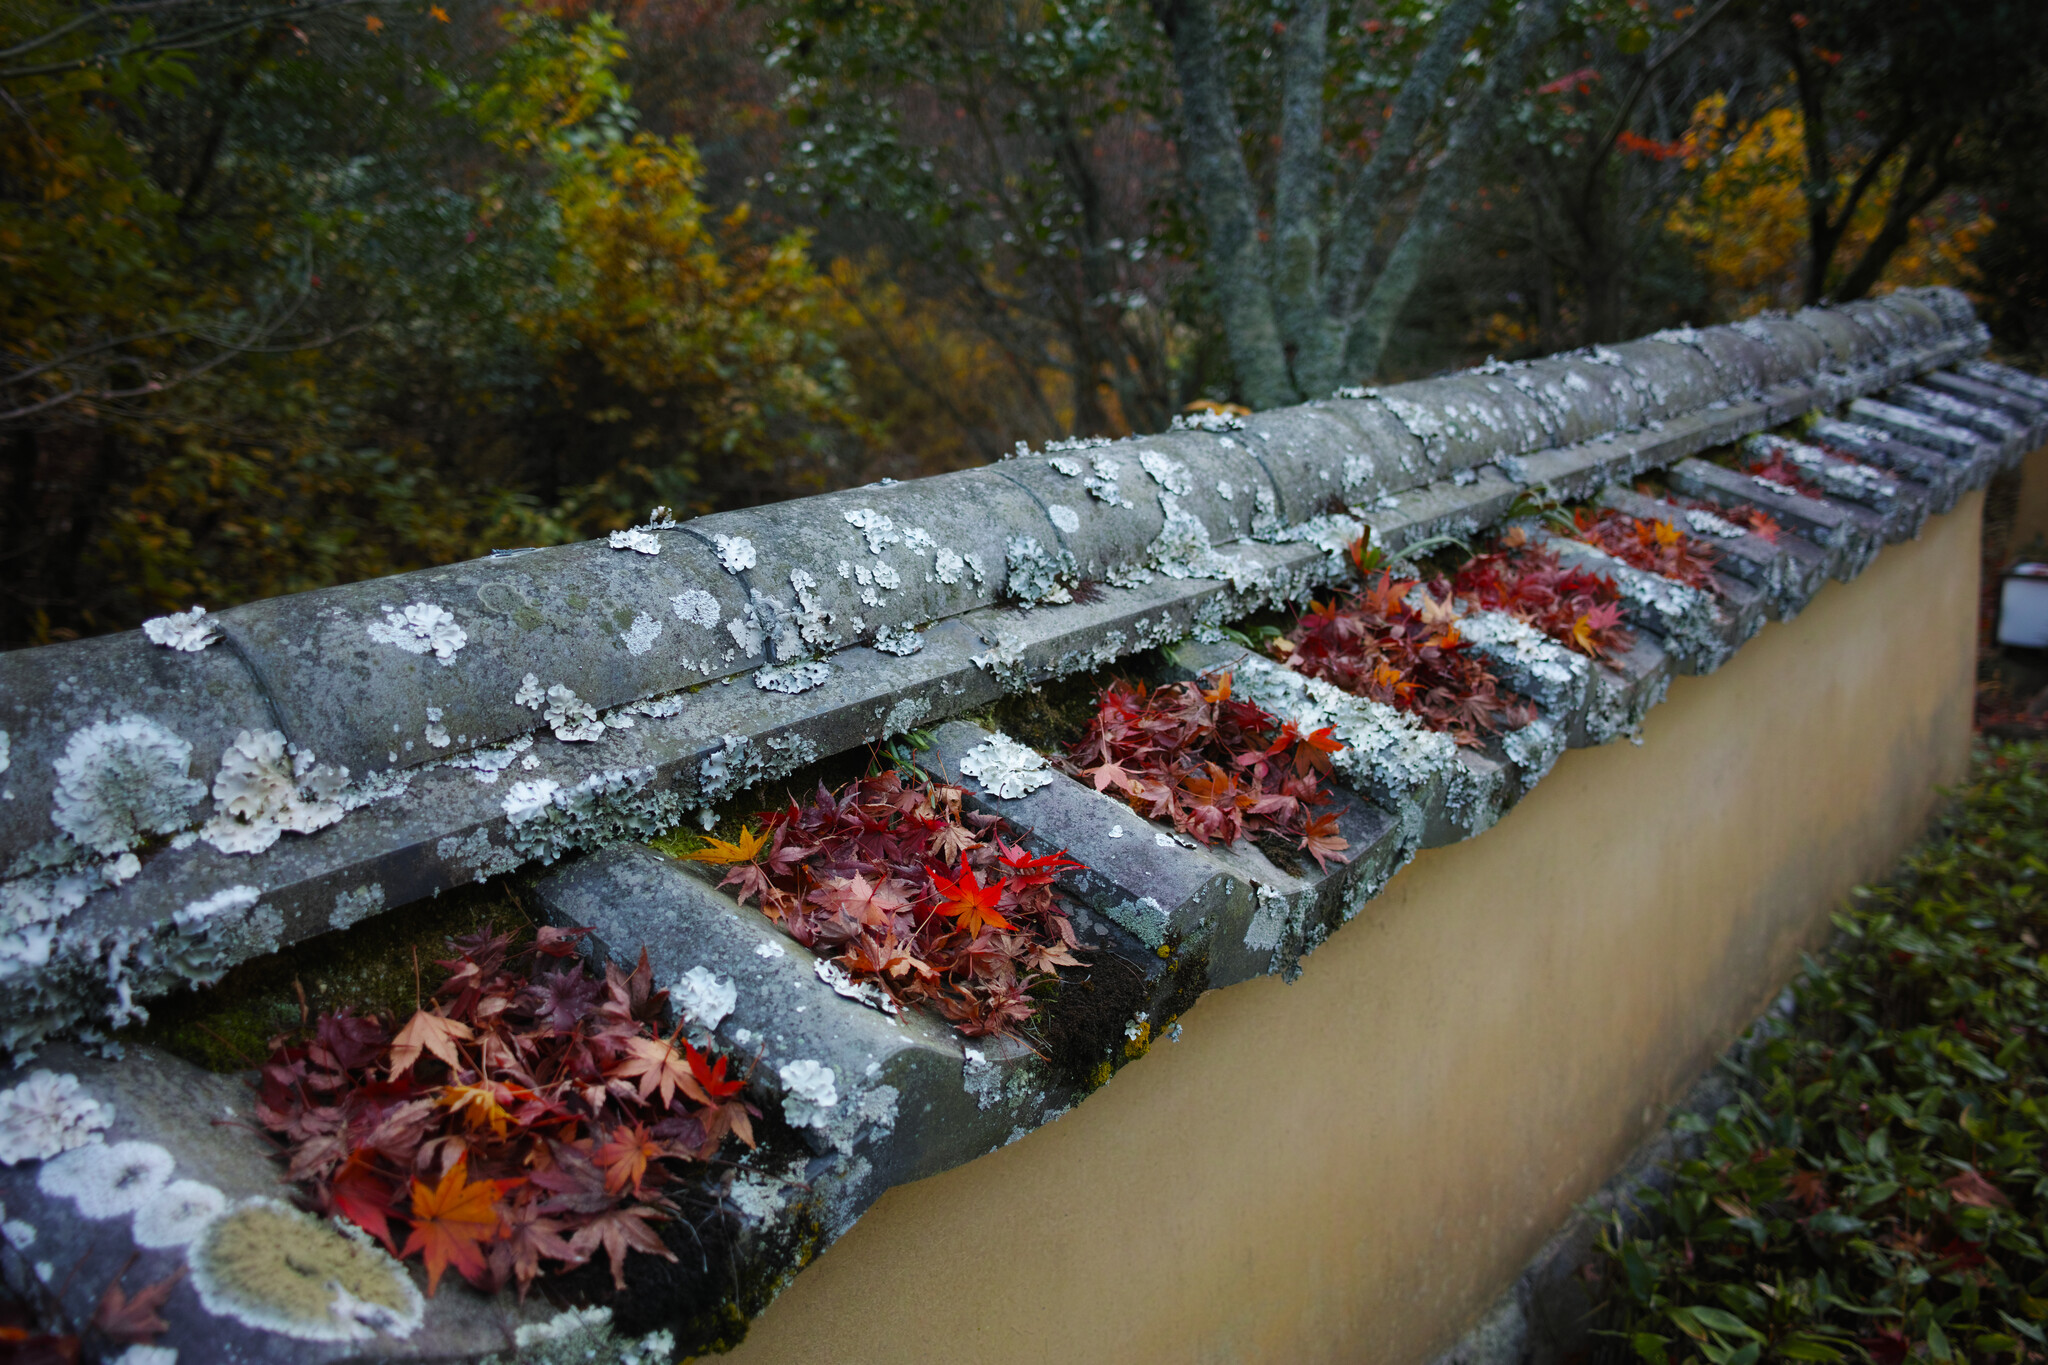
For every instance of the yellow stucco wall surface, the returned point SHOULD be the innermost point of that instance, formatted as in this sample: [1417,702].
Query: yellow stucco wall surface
[2030,519]
[1349,1168]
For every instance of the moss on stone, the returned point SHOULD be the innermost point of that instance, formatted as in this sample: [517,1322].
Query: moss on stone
[368,968]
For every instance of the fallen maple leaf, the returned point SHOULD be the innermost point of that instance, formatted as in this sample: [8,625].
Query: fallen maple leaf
[1973,1189]
[431,1033]
[658,1066]
[362,1195]
[969,903]
[134,1320]
[619,1231]
[719,851]
[452,1222]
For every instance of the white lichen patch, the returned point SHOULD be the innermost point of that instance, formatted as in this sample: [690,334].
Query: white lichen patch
[703,999]
[530,694]
[488,763]
[946,566]
[644,542]
[866,992]
[641,635]
[525,800]
[1170,474]
[900,641]
[422,628]
[1207,421]
[1705,523]
[265,1264]
[695,607]
[266,788]
[1183,550]
[878,529]
[904,715]
[1064,517]
[177,1214]
[195,916]
[573,720]
[810,1092]
[47,1114]
[120,781]
[1005,768]
[1036,574]
[793,678]
[1105,483]
[1063,465]
[187,631]
[736,553]
[107,1180]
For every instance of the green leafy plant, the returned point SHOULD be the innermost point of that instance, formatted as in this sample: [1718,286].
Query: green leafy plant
[1876,1193]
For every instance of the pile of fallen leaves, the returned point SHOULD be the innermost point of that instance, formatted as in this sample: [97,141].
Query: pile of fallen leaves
[892,881]
[1875,1191]
[1215,768]
[531,1115]
[1782,472]
[1578,609]
[1650,544]
[1374,643]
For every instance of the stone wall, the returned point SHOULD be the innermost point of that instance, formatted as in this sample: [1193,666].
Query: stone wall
[366,747]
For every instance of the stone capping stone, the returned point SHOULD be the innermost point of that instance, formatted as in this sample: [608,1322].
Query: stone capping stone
[522,706]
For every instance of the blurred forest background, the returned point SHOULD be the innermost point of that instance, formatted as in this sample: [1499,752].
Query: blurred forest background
[298,293]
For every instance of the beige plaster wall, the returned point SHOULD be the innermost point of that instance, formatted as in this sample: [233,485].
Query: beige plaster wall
[1350,1167]
[2030,519]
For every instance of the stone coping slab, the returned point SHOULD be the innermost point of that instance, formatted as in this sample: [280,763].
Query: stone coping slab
[313,759]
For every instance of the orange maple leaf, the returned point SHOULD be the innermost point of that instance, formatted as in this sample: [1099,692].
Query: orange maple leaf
[969,903]
[430,1033]
[373,23]
[451,1222]
[725,854]
[438,13]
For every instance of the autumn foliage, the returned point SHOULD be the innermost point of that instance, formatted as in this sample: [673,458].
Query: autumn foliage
[1375,644]
[1781,471]
[1654,546]
[894,882]
[1215,768]
[532,1116]
[1578,609]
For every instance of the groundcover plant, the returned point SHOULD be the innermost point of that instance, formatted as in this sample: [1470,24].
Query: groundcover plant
[1876,1192]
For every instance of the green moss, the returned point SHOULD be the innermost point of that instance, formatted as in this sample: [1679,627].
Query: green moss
[367,967]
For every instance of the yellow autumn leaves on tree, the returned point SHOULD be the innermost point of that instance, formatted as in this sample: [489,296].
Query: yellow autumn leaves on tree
[1746,220]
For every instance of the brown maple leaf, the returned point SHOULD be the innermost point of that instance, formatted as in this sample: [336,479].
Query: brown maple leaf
[134,1320]
[1809,1188]
[430,1033]
[659,1066]
[451,1224]
[1973,1189]
[619,1231]
[530,1237]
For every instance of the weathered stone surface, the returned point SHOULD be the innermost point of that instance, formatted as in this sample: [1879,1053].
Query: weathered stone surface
[1190,916]
[1850,536]
[181,1142]
[664,682]
[1788,572]
[2030,412]
[2006,377]
[1944,476]
[1626,686]
[1694,629]
[1902,507]
[1921,430]
[1993,424]
[905,1108]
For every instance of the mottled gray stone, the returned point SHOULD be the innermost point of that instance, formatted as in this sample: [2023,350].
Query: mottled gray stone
[1788,571]
[205,1124]
[1921,430]
[1696,631]
[1944,476]
[1189,916]
[2008,433]
[2030,412]
[2006,377]
[1454,507]
[1902,506]
[1850,536]
[1625,687]
[904,1110]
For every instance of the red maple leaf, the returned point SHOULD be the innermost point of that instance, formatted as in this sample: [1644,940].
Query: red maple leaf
[968,903]
[364,1196]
